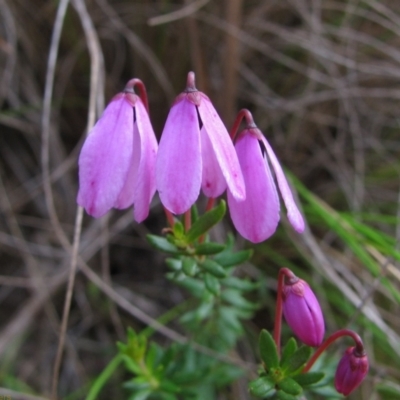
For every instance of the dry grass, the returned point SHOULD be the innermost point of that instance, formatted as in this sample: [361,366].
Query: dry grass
[322,80]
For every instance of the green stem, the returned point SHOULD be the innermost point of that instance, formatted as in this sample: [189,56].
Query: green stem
[104,377]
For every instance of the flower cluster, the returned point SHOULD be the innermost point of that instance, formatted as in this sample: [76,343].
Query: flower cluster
[121,163]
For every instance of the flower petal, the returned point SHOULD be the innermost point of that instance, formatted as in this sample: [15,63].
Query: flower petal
[213,181]
[179,165]
[293,213]
[145,186]
[223,148]
[126,196]
[257,217]
[105,157]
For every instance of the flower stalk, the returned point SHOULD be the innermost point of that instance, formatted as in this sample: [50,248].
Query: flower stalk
[283,273]
[359,346]
[130,88]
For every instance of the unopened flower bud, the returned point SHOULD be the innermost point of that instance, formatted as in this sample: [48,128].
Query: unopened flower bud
[303,312]
[351,371]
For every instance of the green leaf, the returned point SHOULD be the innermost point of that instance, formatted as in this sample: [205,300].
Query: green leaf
[174,264]
[212,284]
[194,213]
[288,350]
[169,386]
[131,365]
[206,222]
[189,266]
[151,356]
[209,248]
[243,285]
[162,244]
[194,286]
[141,395]
[290,386]
[298,359]
[309,378]
[281,395]
[261,386]
[229,259]
[235,298]
[178,230]
[230,318]
[213,268]
[268,350]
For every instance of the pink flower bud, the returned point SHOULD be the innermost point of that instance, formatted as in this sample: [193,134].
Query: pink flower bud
[303,312]
[351,371]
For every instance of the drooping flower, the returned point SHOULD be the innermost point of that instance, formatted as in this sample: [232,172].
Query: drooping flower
[302,312]
[256,218]
[351,371]
[195,152]
[117,160]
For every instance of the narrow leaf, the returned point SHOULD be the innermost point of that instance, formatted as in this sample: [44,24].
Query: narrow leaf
[174,264]
[290,386]
[212,284]
[288,350]
[281,395]
[298,359]
[261,386]
[206,222]
[213,268]
[268,350]
[209,248]
[162,244]
[189,266]
[229,259]
[310,378]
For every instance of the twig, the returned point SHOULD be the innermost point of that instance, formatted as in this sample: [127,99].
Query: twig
[95,73]
[183,12]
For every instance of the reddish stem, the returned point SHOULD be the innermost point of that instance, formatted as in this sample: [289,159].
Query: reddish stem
[142,91]
[188,220]
[210,204]
[246,114]
[283,273]
[170,217]
[343,332]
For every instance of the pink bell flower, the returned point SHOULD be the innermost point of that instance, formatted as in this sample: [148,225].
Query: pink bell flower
[256,218]
[117,160]
[351,371]
[302,312]
[195,153]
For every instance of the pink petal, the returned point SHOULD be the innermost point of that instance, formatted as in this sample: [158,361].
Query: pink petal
[145,186]
[105,157]
[213,181]
[257,217]
[223,148]
[126,196]
[293,213]
[179,165]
